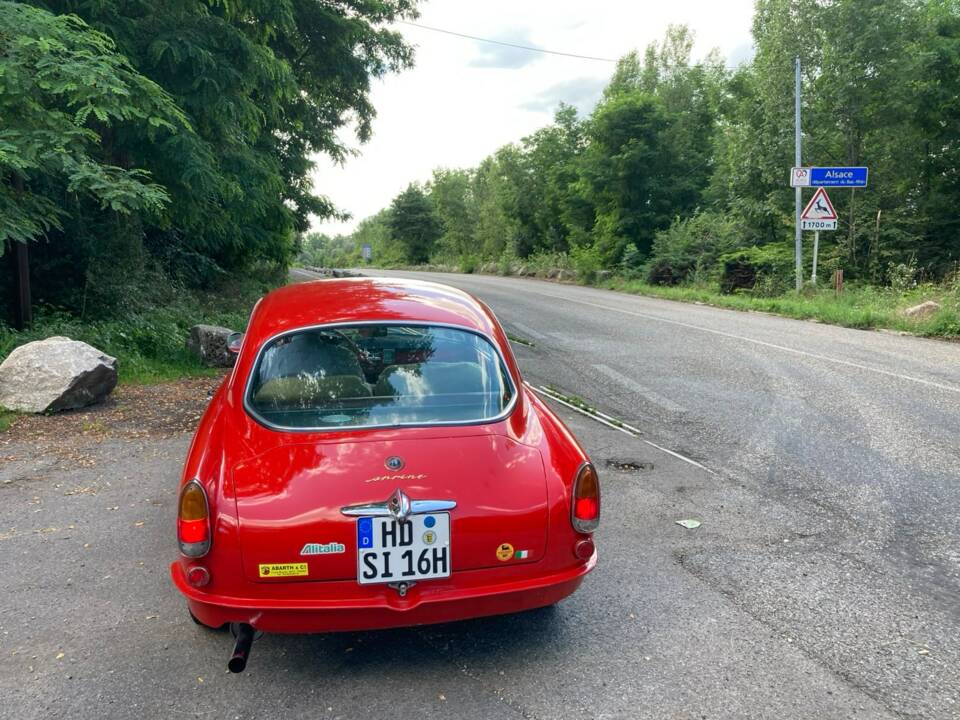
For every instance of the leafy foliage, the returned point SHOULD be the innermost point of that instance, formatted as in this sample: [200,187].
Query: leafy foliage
[414,224]
[58,78]
[146,140]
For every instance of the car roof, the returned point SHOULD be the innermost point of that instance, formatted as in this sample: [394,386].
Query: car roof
[366,299]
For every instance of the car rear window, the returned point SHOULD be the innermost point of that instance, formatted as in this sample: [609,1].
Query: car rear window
[373,375]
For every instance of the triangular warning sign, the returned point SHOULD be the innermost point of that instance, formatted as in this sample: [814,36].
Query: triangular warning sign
[819,207]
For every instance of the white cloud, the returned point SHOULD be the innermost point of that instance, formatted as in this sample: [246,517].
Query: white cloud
[464,99]
[583,93]
[508,55]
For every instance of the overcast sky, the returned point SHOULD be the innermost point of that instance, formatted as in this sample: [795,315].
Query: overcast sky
[464,99]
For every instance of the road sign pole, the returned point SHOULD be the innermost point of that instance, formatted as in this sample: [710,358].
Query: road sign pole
[799,193]
[816,249]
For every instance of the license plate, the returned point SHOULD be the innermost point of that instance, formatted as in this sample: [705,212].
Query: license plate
[394,551]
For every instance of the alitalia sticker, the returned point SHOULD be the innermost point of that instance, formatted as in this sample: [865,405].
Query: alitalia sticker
[284,570]
[331,548]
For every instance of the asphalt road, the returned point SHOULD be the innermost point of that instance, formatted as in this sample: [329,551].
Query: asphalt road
[823,581]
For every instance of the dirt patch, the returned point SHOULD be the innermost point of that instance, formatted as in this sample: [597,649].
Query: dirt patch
[131,411]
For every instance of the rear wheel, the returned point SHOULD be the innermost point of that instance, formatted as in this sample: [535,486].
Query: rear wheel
[204,625]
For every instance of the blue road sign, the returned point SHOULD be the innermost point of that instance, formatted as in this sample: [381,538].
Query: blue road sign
[829,177]
[838,177]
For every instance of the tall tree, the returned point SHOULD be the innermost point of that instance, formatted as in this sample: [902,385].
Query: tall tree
[627,174]
[450,191]
[414,224]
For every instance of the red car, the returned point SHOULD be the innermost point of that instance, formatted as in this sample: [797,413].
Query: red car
[375,460]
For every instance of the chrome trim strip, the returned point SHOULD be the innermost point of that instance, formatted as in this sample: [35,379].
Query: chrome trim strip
[514,391]
[399,506]
[418,507]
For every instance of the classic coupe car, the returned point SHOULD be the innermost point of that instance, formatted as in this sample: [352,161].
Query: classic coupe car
[374,460]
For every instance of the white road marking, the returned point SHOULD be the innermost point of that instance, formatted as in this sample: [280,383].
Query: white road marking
[733,336]
[580,410]
[684,458]
[527,330]
[680,457]
[641,390]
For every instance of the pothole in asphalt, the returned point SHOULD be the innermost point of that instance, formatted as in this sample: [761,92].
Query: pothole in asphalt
[624,465]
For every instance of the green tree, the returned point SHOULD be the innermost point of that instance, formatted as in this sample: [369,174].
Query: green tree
[627,175]
[249,93]
[62,86]
[450,192]
[938,111]
[493,229]
[552,154]
[414,224]
[375,232]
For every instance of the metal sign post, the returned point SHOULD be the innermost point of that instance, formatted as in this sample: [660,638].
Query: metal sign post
[819,214]
[816,249]
[798,238]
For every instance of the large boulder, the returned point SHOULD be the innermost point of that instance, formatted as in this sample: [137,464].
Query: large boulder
[55,374]
[209,343]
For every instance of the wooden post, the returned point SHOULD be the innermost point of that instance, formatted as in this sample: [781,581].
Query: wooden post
[23,313]
[838,282]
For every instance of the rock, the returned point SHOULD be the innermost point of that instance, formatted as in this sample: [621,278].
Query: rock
[55,374]
[604,275]
[922,311]
[553,273]
[209,343]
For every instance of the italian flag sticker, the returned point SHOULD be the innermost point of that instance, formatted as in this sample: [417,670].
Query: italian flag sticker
[521,554]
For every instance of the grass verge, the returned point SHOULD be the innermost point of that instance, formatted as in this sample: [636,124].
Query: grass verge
[858,307]
[7,418]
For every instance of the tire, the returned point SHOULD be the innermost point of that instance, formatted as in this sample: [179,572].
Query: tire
[204,625]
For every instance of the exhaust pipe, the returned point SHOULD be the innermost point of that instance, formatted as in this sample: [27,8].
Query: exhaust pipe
[241,650]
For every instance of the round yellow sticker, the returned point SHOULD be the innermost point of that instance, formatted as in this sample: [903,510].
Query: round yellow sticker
[504,552]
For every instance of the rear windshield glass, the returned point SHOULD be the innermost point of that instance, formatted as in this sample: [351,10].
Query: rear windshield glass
[372,375]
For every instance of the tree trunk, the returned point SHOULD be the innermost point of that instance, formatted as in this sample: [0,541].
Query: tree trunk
[23,313]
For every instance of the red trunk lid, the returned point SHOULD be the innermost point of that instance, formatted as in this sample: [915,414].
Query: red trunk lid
[291,497]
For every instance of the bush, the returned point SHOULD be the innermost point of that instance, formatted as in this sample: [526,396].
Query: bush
[543,262]
[692,247]
[507,259]
[631,262]
[902,276]
[587,262]
[743,268]
[469,263]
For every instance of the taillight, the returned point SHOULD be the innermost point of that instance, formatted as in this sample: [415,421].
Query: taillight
[585,513]
[193,521]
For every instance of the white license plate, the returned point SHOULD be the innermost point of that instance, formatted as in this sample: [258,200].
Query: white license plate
[393,551]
